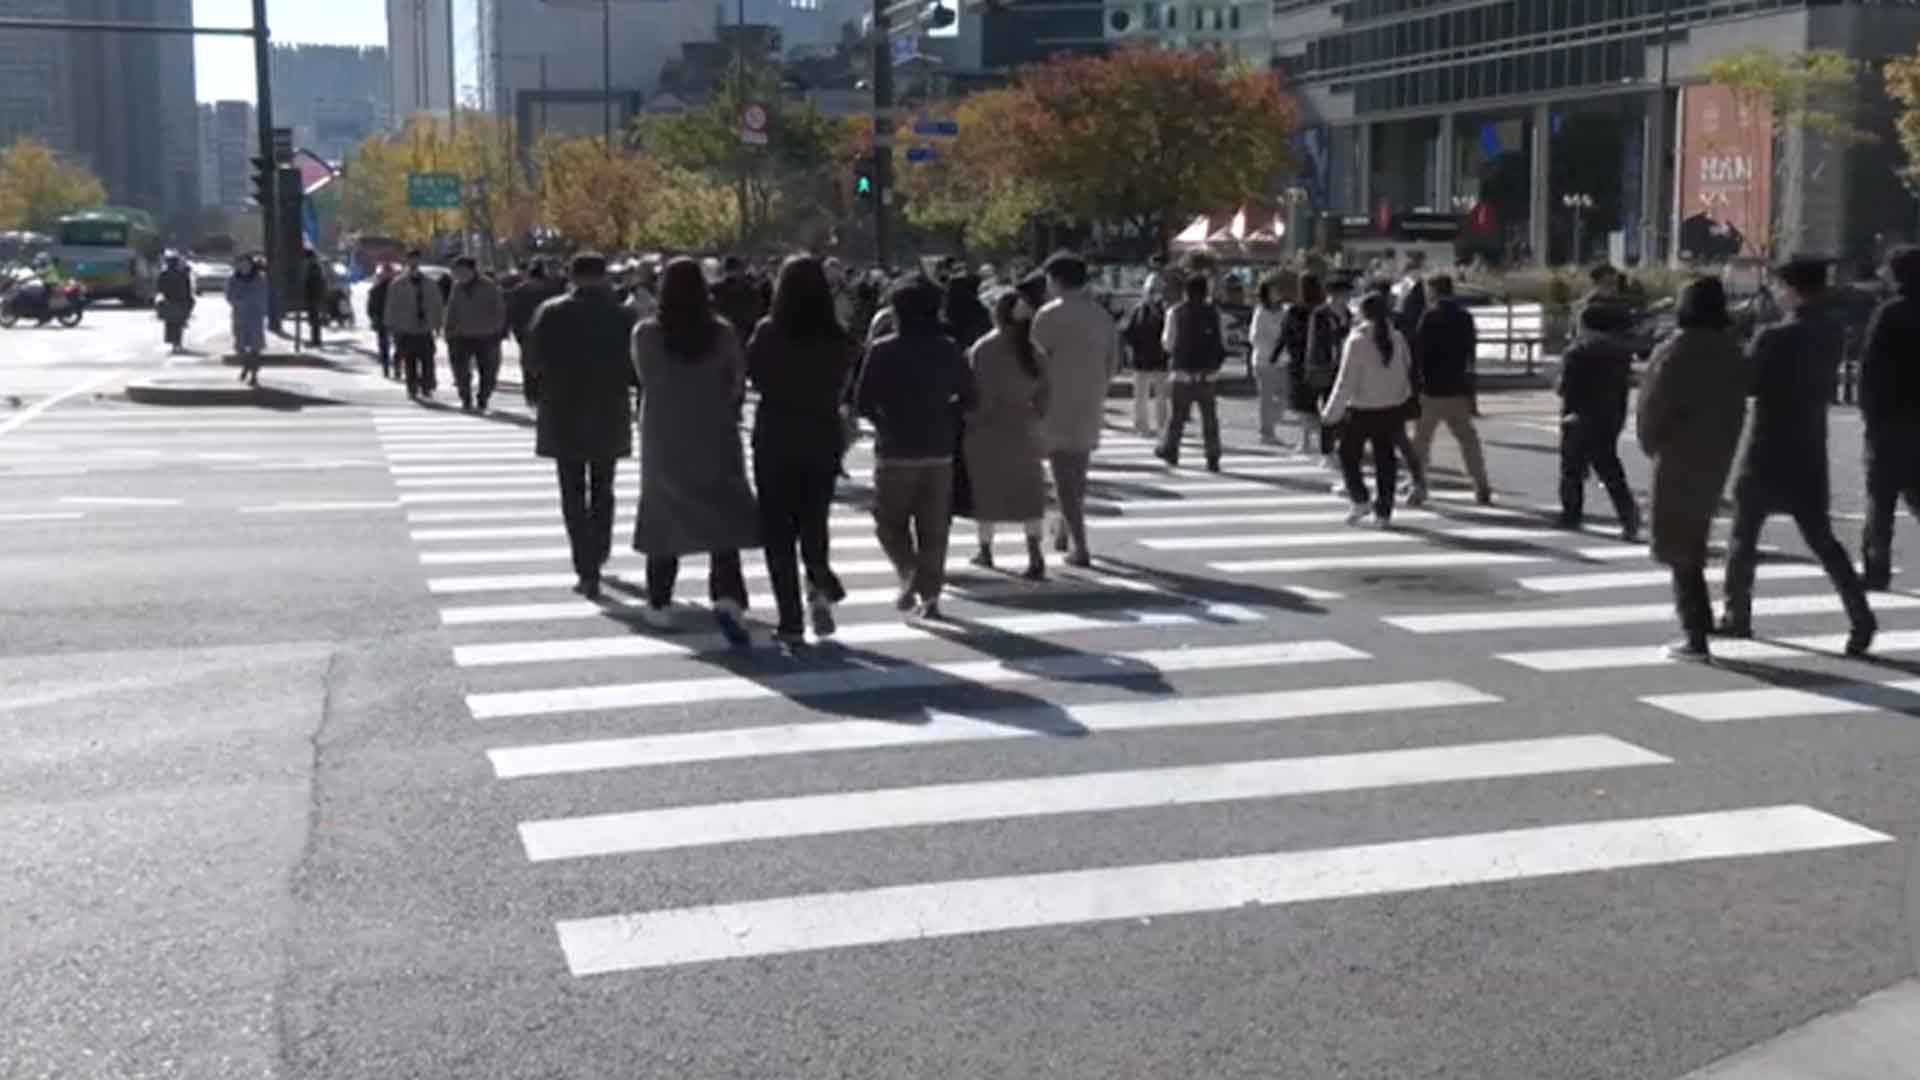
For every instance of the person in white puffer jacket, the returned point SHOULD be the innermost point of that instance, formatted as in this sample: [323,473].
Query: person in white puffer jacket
[1370,394]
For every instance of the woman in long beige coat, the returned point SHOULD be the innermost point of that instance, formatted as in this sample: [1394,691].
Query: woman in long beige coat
[1692,407]
[1002,444]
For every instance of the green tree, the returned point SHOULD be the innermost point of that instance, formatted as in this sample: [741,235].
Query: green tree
[1902,75]
[973,188]
[37,187]
[1817,95]
[706,140]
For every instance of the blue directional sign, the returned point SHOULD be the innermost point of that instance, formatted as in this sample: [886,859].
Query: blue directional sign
[945,129]
[919,154]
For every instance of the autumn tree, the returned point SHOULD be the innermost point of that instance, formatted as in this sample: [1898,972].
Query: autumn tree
[1815,103]
[974,188]
[706,140]
[1902,75]
[592,197]
[1145,139]
[37,186]
[497,196]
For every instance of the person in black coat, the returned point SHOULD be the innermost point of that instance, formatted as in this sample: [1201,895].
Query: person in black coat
[526,296]
[964,318]
[579,377]
[175,290]
[316,291]
[1890,406]
[1445,344]
[377,318]
[1784,467]
[738,299]
[1595,376]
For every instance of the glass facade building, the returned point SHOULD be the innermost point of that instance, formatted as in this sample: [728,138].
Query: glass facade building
[1514,109]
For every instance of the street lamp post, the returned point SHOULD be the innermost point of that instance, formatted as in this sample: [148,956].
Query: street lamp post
[1579,203]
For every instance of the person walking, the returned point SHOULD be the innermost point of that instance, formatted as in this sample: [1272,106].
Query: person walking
[737,298]
[1692,407]
[1594,378]
[1784,468]
[476,322]
[1296,329]
[1275,300]
[914,385]
[1410,299]
[1196,343]
[175,289]
[1002,442]
[962,316]
[1445,346]
[1141,331]
[377,317]
[643,296]
[538,286]
[1370,396]
[1079,349]
[694,496]
[414,311]
[578,378]
[1327,332]
[247,301]
[800,360]
[1890,407]
[315,291]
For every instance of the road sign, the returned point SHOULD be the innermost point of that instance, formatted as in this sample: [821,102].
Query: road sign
[905,48]
[433,191]
[753,125]
[919,154]
[940,129]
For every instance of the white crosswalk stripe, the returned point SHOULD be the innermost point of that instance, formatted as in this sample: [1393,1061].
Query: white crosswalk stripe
[1523,618]
[1717,706]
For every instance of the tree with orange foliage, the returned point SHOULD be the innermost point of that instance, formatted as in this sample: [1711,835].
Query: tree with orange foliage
[1147,139]
[975,186]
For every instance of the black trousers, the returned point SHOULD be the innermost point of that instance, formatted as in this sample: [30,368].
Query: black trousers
[725,580]
[1893,475]
[416,354]
[795,497]
[1371,427]
[1743,554]
[586,504]
[175,332]
[316,312]
[385,341]
[464,355]
[1590,445]
[1692,601]
[1185,394]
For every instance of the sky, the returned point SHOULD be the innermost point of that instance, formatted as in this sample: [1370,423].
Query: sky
[224,66]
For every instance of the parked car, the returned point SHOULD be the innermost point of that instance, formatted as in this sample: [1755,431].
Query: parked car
[210,276]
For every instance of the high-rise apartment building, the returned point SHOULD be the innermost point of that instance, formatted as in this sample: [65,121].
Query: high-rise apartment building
[228,134]
[332,96]
[420,44]
[122,104]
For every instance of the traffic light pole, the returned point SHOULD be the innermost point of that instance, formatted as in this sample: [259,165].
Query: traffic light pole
[882,135]
[263,115]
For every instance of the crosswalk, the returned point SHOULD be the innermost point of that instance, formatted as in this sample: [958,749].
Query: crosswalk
[1156,683]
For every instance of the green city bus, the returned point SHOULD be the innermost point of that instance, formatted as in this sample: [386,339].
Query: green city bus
[113,252]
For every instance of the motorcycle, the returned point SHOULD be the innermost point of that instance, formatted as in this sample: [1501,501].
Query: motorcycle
[31,298]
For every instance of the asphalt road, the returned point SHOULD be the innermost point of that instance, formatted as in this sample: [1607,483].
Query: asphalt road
[315,768]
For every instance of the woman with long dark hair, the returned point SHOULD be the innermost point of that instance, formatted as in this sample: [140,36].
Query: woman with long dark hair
[1693,404]
[1002,443]
[800,359]
[1303,398]
[694,496]
[962,315]
[1370,394]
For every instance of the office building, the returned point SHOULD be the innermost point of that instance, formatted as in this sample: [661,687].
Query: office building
[121,104]
[333,96]
[420,46]
[1502,110]
[1239,29]
[228,134]
[1030,31]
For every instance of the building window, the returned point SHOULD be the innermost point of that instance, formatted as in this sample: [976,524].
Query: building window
[1152,12]
[1233,17]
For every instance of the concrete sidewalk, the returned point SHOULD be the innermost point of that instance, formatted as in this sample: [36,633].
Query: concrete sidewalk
[1877,1038]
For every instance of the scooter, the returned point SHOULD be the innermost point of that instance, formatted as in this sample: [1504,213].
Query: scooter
[32,298]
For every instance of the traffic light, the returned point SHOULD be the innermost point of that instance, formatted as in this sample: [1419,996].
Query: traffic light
[863,180]
[262,181]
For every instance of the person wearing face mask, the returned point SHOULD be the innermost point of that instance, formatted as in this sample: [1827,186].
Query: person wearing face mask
[247,300]
[476,320]
[414,310]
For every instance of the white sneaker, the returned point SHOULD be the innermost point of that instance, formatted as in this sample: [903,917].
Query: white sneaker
[657,618]
[1338,487]
[1358,513]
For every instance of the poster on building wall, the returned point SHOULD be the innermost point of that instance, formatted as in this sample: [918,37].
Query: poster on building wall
[1725,201]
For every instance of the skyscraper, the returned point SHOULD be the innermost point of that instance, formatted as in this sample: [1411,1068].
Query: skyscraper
[120,103]
[227,137]
[332,96]
[419,54]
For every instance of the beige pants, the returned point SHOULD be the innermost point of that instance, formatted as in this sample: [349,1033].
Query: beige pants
[1457,413]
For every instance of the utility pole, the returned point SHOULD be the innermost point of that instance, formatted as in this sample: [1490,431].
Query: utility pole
[263,118]
[453,81]
[882,135]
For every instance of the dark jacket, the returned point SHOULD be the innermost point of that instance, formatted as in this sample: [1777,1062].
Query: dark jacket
[1793,365]
[739,302]
[1199,345]
[1692,406]
[314,286]
[377,305]
[1327,331]
[1445,345]
[914,389]
[1890,365]
[1141,331]
[1595,375]
[1293,333]
[579,375]
[525,298]
[175,284]
[801,388]
[1410,309]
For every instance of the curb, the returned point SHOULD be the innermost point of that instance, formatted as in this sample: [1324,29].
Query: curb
[202,390]
[1877,1038]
